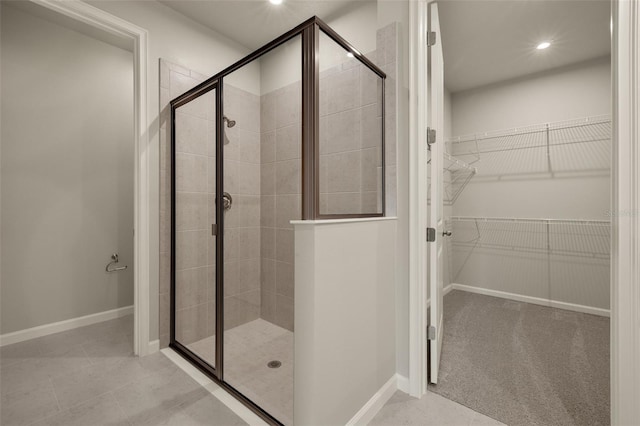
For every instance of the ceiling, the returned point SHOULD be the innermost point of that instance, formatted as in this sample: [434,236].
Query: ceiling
[486,42]
[253,23]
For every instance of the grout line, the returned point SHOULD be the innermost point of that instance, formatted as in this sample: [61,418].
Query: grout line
[187,114]
[55,394]
[126,417]
[193,193]
[361,149]
[192,154]
[361,107]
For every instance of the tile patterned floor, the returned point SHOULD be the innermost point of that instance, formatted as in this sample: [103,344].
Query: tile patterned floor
[430,410]
[249,348]
[89,376]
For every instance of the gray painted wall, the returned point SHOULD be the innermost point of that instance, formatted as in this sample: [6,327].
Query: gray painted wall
[67,172]
[389,12]
[180,40]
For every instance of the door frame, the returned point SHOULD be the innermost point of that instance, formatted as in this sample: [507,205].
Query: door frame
[418,192]
[625,217]
[625,208]
[97,18]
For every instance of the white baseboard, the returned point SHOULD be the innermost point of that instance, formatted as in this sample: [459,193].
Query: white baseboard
[533,300]
[369,410]
[222,395]
[445,290]
[154,346]
[403,383]
[57,327]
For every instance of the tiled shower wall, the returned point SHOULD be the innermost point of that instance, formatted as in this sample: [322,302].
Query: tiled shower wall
[242,221]
[281,199]
[194,157]
[350,139]
[195,246]
[195,208]
[350,127]
[350,114]
[386,57]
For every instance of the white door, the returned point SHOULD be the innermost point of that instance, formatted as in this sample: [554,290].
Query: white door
[435,120]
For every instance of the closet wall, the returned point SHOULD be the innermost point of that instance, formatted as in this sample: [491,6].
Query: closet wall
[518,184]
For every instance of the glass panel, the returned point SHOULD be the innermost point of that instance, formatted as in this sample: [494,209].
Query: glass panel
[195,213]
[350,133]
[262,163]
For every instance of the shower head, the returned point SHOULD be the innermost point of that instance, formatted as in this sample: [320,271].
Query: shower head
[230,123]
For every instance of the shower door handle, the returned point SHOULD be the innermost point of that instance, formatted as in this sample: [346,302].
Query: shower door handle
[227,201]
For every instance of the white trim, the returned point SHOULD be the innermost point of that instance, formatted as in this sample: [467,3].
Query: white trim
[533,300]
[154,346]
[403,383]
[57,327]
[100,19]
[625,244]
[223,396]
[417,198]
[445,291]
[378,400]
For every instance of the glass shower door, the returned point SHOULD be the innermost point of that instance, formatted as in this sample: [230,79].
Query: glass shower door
[262,173]
[194,225]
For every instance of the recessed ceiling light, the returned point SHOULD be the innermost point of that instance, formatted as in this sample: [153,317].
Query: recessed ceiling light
[543,45]
[275,1]
[349,54]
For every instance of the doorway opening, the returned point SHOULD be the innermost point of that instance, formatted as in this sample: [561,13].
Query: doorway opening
[524,182]
[71,264]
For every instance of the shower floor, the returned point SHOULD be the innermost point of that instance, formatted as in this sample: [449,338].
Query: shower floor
[248,350]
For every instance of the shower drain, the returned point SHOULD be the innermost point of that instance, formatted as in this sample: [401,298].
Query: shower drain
[274,364]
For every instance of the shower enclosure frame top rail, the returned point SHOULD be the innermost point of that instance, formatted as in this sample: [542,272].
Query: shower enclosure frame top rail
[310,34]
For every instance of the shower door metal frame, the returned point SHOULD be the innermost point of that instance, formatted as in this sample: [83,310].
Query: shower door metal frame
[309,32]
[214,372]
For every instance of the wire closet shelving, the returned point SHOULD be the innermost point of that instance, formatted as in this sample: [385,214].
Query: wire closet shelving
[457,175]
[576,145]
[566,237]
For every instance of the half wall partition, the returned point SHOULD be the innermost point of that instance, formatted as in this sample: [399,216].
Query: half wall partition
[295,130]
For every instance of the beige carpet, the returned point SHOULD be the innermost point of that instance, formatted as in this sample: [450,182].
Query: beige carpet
[525,364]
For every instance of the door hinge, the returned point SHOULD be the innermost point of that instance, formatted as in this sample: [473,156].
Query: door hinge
[214,229]
[431,332]
[431,38]
[431,235]
[431,136]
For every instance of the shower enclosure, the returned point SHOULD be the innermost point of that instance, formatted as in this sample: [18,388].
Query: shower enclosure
[292,131]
